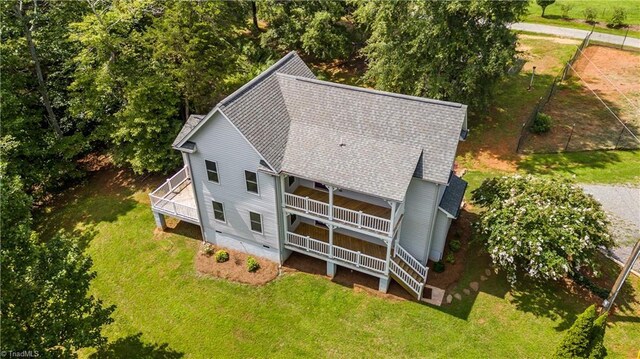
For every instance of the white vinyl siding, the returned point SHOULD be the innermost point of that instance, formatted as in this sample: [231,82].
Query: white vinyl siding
[251,181]
[218,211]
[219,140]
[418,214]
[212,171]
[439,236]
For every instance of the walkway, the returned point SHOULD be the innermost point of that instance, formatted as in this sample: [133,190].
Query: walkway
[575,33]
[622,204]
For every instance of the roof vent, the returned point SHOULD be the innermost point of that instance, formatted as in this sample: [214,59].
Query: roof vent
[343,144]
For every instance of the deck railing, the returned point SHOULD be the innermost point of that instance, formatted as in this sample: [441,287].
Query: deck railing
[407,279]
[338,253]
[340,214]
[161,202]
[411,261]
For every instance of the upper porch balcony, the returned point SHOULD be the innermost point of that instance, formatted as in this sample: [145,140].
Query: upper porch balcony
[175,198]
[381,218]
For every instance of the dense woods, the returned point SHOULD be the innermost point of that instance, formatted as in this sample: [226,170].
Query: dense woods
[121,77]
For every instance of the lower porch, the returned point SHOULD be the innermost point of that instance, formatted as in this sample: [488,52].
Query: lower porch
[352,252]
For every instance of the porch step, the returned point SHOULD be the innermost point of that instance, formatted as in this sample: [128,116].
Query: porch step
[407,268]
[406,287]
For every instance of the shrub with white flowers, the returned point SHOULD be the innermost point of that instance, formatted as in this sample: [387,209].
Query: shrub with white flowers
[543,228]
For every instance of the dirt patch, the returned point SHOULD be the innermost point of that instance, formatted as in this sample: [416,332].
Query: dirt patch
[557,40]
[358,281]
[235,269]
[581,121]
[461,230]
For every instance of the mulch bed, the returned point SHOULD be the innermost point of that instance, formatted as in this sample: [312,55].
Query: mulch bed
[461,230]
[235,269]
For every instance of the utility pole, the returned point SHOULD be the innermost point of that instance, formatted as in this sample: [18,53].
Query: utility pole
[608,303]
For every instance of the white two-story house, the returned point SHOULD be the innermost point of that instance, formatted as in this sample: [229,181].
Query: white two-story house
[358,178]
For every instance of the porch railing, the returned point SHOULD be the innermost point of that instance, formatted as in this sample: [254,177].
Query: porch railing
[416,286]
[160,200]
[355,258]
[411,261]
[340,214]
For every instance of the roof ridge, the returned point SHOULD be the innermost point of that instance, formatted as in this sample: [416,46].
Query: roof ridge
[266,73]
[375,92]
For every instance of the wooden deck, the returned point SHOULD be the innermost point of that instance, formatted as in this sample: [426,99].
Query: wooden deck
[342,240]
[344,202]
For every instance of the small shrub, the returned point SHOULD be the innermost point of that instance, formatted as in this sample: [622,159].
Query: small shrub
[438,267]
[252,264]
[590,15]
[222,256]
[618,18]
[455,245]
[564,10]
[542,123]
[450,258]
[208,249]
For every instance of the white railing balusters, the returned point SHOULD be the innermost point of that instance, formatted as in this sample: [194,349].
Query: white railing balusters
[161,203]
[340,214]
[357,259]
[411,261]
[406,278]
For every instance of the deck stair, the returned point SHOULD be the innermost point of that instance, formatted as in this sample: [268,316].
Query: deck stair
[408,271]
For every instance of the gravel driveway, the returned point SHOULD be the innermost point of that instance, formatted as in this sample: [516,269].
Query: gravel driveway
[622,204]
[575,33]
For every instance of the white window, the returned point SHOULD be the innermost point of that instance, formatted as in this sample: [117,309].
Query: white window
[218,211]
[212,171]
[251,180]
[256,222]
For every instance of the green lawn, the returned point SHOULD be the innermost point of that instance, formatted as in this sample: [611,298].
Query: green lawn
[164,308]
[604,9]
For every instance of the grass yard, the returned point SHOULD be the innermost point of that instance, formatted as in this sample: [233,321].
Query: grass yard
[165,309]
[604,8]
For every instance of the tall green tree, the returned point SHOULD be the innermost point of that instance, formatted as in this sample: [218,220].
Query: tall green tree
[45,305]
[40,136]
[146,65]
[316,28]
[449,50]
[585,338]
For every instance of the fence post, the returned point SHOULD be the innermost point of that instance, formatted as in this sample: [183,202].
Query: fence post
[569,139]
[625,39]
[619,137]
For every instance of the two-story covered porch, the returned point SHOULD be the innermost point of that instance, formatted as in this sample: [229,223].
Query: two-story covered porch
[349,229]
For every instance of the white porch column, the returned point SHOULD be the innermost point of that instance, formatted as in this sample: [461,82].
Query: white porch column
[383,286]
[282,191]
[389,245]
[394,206]
[331,189]
[331,269]
[160,222]
[331,227]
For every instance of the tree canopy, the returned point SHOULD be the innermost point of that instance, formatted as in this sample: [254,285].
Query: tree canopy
[546,229]
[448,50]
[45,305]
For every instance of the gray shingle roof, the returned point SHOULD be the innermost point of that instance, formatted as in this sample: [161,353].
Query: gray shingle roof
[191,123]
[434,126]
[258,110]
[297,124]
[453,195]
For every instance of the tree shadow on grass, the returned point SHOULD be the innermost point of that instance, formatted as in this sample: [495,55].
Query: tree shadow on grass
[548,300]
[567,162]
[133,347]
